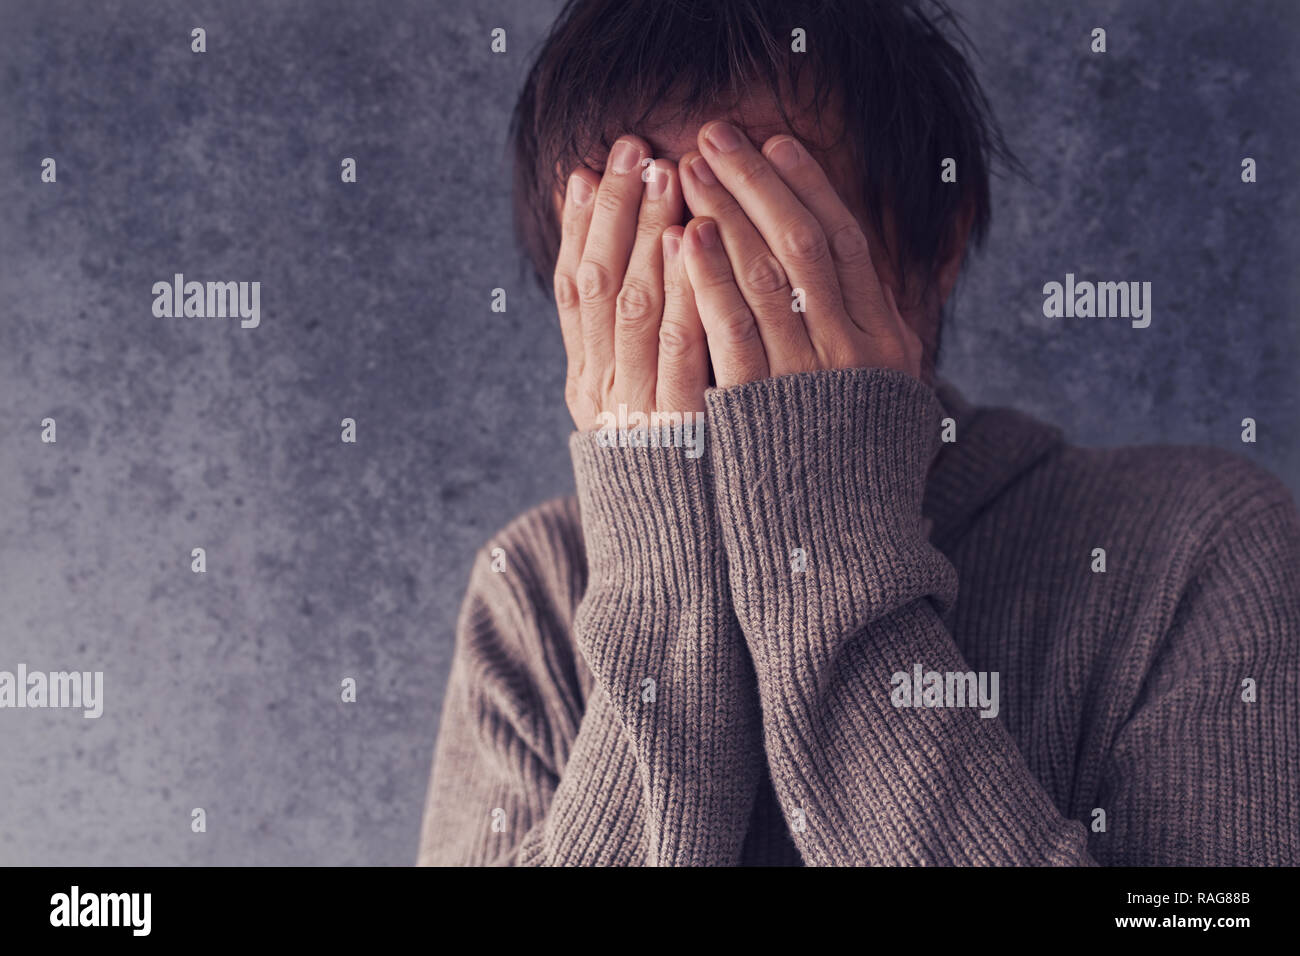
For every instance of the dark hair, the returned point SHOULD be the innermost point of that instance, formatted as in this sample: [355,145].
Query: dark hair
[910,100]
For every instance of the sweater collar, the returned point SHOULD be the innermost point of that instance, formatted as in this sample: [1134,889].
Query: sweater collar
[994,447]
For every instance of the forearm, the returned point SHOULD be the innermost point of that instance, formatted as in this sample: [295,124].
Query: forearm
[826,471]
[657,630]
[659,764]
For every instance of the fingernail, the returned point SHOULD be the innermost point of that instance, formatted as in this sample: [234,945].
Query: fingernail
[657,182]
[624,156]
[579,190]
[708,234]
[724,137]
[703,172]
[785,154]
[672,242]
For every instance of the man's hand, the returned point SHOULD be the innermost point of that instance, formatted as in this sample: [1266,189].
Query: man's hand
[765,225]
[631,330]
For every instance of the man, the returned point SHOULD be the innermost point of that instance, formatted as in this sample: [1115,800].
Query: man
[871,624]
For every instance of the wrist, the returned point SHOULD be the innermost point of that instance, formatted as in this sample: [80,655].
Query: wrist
[819,482]
[648,514]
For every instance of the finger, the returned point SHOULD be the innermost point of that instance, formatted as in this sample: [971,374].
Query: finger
[683,374]
[604,258]
[860,286]
[729,327]
[791,231]
[758,273]
[575,217]
[640,304]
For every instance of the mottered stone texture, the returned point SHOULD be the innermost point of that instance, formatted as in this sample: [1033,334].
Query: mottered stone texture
[328,560]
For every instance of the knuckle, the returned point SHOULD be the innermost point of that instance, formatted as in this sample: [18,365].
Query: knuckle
[804,241]
[572,231]
[753,171]
[673,285]
[764,274]
[849,244]
[609,201]
[737,326]
[593,281]
[676,340]
[724,207]
[650,224]
[566,291]
[635,302]
[717,277]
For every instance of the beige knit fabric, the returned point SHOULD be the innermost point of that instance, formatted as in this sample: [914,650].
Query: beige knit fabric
[652,680]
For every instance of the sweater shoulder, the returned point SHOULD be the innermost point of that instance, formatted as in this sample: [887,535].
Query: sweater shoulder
[550,532]
[517,659]
[1169,508]
[1200,489]
[535,565]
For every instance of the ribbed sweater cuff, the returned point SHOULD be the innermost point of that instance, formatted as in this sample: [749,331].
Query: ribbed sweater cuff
[819,483]
[647,515]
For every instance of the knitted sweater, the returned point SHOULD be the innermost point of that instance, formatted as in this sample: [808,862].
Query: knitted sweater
[748,657]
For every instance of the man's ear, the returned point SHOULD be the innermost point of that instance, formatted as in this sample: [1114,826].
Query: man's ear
[955,254]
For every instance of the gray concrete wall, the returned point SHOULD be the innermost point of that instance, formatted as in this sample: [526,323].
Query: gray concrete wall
[327,560]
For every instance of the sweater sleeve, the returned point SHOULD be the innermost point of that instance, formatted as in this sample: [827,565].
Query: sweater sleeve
[663,765]
[820,478]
